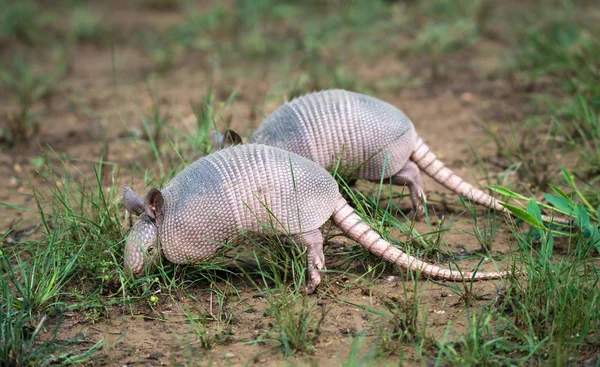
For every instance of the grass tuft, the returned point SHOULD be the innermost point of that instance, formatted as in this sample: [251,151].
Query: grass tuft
[29,86]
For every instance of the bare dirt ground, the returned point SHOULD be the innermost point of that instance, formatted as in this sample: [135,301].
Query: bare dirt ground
[101,99]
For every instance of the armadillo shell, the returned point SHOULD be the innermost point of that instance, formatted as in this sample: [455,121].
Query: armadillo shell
[243,187]
[366,133]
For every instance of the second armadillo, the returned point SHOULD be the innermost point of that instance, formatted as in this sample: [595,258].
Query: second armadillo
[371,138]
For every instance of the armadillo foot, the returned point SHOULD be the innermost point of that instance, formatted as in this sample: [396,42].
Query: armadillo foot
[416,214]
[410,176]
[314,279]
[315,259]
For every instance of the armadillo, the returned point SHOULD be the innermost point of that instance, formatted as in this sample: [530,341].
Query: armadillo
[246,187]
[369,137]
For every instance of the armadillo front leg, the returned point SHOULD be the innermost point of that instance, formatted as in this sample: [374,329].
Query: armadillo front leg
[410,176]
[313,242]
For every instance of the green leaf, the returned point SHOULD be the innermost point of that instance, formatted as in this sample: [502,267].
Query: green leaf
[528,218]
[547,249]
[583,219]
[562,204]
[534,209]
[571,181]
[22,208]
[595,238]
[506,192]
[37,162]
[559,192]
[568,177]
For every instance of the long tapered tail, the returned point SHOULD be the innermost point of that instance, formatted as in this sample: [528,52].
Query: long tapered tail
[436,169]
[427,161]
[348,221]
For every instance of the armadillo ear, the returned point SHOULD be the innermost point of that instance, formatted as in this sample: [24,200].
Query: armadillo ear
[231,138]
[132,201]
[155,205]
[217,140]
[227,139]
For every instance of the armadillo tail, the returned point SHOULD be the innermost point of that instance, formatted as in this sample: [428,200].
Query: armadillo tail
[348,221]
[436,169]
[426,160]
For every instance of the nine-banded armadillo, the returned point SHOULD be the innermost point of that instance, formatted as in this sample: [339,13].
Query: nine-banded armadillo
[243,187]
[371,138]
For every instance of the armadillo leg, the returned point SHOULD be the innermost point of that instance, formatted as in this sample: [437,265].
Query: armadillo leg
[313,241]
[410,176]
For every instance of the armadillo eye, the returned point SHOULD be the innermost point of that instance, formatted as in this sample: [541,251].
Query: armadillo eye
[150,249]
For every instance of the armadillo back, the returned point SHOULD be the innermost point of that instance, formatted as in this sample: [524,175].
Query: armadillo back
[364,131]
[245,186]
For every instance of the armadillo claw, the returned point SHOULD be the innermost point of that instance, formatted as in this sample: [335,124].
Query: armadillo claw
[416,214]
[314,279]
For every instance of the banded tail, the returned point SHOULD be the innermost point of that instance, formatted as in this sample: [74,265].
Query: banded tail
[427,161]
[436,169]
[348,221]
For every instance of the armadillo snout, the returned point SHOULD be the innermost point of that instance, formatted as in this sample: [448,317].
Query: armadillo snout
[141,250]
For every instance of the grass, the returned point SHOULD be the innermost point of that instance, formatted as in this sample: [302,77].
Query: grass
[549,317]
[37,288]
[560,55]
[296,322]
[86,25]
[485,229]
[28,86]
[30,296]
[40,283]
[448,26]
[20,21]
[401,326]
[208,335]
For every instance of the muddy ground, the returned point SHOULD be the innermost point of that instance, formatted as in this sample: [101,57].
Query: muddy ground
[101,101]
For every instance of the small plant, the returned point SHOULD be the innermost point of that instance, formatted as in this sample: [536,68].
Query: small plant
[401,324]
[280,260]
[579,124]
[529,151]
[354,358]
[212,328]
[154,125]
[296,321]
[162,50]
[555,44]
[451,25]
[484,229]
[29,86]
[209,119]
[27,290]
[482,344]
[20,21]
[85,25]
[464,290]
[558,301]
[577,206]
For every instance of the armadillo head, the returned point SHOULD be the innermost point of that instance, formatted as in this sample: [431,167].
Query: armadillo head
[142,250]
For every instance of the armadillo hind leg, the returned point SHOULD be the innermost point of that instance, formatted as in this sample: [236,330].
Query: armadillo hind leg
[313,241]
[410,175]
